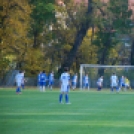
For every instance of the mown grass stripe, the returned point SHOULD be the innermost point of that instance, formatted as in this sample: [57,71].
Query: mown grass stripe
[81,123]
[62,113]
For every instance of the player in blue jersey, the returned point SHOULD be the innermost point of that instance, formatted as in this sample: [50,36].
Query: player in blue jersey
[100,83]
[86,82]
[18,79]
[51,80]
[74,81]
[65,82]
[122,83]
[42,80]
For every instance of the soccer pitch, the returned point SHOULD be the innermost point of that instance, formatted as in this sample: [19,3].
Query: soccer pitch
[91,112]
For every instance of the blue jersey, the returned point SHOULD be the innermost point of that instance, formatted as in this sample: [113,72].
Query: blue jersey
[74,78]
[42,77]
[122,80]
[86,79]
[51,77]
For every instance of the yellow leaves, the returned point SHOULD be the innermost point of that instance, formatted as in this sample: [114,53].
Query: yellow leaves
[87,50]
[89,32]
[34,60]
[15,18]
[67,47]
[113,53]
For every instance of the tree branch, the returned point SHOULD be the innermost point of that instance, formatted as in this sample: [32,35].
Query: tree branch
[102,12]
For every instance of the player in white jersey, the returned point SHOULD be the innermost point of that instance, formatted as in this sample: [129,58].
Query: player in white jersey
[100,83]
[86,82]
[18,79]
[74,81]
[114,82]
[65,82]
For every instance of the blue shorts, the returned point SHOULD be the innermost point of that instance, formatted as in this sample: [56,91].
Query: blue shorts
[18,90]
[51,83]
[122,85]
[68,88]
[22,84]
[73,83]
[42,83]
[86,84]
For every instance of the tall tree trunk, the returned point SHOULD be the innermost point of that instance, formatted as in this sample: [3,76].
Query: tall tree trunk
[132,54]
[35,40]
[81,33]
[104,57]
[102,62]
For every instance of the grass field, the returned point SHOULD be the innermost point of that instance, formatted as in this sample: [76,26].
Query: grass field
[91,112]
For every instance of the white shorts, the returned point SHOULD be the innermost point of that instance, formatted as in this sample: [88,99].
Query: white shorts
[99,83]
[127,85]
[114,84]
[18,84]
[64,88]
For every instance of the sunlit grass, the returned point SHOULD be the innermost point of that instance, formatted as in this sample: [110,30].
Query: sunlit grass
[93,112]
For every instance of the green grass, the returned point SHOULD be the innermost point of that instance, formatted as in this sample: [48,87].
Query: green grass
[91,112]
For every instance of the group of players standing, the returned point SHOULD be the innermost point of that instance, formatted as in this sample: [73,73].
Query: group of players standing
[43,79]
[118,84]
[42,83]
[66,83]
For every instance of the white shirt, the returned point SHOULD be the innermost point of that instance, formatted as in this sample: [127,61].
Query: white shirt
[19,77]
[65,77]
[100,80]
[86,79]
[114,79]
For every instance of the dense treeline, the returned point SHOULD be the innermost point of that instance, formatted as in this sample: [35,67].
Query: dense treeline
[43,35]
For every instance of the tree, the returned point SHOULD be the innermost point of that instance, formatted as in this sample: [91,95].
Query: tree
[14,24]
[118,20]
[69,18]
[80,34]
[132,37]
[31,54]
[132,53]
[87,52]
[115,22]
[42,15]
